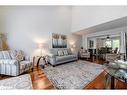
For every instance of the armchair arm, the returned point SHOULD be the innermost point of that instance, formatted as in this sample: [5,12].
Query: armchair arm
[113,55]
[51,55]
[51,58]
[8,61]
[29,58]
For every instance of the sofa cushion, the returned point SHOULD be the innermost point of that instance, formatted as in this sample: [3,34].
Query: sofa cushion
[63,58]
[25,64]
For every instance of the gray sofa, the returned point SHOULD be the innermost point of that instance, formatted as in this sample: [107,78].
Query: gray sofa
[54,58]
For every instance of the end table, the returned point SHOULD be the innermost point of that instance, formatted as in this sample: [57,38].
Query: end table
[38,60]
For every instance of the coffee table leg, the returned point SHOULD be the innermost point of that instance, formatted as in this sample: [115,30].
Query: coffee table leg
[112,82]
[32,69]
[38,61]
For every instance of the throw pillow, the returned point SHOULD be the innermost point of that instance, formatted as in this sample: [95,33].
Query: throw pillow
[6,55]
[13,54]
[65,52]
[60,53]
[69,51]
[20,55]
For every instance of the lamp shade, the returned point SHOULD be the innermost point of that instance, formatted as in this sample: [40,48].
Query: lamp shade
[40,45]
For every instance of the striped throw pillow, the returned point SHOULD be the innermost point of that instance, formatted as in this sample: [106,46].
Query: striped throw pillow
[6,55]
[60,53]
[65,52]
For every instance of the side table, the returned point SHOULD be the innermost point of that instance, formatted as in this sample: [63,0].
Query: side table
[38,60]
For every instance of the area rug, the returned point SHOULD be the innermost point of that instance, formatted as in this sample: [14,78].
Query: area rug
[21,82]
[74,75]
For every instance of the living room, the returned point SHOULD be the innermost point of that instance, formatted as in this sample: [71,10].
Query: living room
[57,47]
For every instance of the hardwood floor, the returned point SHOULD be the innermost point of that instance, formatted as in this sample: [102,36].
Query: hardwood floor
[40,81]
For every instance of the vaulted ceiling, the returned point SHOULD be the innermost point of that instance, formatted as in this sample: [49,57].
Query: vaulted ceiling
[89,19]
[122,22]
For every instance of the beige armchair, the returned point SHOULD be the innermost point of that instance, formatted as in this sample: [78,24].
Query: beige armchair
[115,55]
[112,57]
[84,54]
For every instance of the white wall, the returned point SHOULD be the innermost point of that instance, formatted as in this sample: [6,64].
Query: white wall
[88,16]
[75,41]
[2,15]
[28,26]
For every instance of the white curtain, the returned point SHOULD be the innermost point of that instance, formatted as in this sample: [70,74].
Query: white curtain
[123,43]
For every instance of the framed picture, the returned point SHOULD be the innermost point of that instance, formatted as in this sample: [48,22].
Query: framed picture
[91,44]
[59,41]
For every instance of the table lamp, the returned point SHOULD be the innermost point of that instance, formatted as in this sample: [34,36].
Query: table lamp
[40,46]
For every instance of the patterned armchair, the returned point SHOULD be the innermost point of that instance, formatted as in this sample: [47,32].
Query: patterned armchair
[84,54]
[112,57]
[14,63]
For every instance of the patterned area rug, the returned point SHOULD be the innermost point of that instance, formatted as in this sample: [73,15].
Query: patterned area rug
[20,82]
[74,75]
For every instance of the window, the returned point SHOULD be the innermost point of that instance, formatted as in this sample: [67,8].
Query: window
[108,43]
[116,43]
